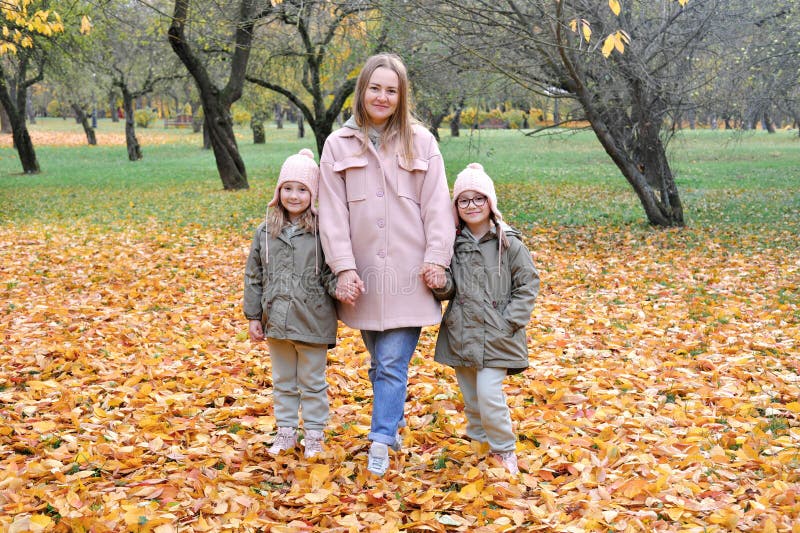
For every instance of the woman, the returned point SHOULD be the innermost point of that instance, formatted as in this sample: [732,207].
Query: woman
[387,232]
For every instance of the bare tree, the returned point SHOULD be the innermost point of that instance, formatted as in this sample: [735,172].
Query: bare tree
[770,53]
[217,98]
[313,49]
[127,51]
[627,93]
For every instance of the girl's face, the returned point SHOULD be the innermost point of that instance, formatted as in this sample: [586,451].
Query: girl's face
[382,95]
[473,208]
[295,198]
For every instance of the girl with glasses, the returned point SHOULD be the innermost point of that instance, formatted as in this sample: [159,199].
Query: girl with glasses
[492,285]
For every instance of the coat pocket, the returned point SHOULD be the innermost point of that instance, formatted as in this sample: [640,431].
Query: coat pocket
[496,320]
[410,176]
[354,173]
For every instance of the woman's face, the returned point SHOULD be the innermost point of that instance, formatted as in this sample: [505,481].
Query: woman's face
[295,198]
[382,95]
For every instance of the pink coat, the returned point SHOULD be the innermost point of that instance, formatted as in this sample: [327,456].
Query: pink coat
[385,218]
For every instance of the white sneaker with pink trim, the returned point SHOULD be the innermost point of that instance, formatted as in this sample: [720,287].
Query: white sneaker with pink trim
[286,439]
[313,443]
[509,461]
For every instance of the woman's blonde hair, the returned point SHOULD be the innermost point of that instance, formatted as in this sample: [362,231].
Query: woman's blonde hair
[400,124]
[278,218]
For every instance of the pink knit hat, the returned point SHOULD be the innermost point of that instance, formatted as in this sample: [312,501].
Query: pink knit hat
[301,168]
[474,178]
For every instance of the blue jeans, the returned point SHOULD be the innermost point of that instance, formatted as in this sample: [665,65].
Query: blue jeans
[390,353]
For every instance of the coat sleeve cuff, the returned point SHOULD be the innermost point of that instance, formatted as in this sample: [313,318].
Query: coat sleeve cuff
[438,258]
[342,264]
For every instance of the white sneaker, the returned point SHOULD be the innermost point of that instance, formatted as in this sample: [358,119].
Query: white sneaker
[313,443]
[286,439]
[378,458]
[509,460]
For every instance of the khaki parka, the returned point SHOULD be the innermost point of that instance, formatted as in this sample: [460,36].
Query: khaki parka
[484,324]
[292,293]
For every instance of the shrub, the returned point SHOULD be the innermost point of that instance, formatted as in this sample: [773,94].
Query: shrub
[515,118]
[56,108]
[241,116]
[143,118]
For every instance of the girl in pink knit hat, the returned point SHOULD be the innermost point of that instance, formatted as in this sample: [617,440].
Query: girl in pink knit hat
[288,300]
[492,285]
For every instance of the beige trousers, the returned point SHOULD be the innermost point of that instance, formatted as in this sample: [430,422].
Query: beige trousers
[298,380]
[488,416]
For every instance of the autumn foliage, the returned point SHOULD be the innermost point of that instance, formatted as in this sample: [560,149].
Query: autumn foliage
[663,395]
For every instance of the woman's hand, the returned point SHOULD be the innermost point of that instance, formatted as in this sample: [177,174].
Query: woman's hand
[433,275]
[349,286]
[256,331]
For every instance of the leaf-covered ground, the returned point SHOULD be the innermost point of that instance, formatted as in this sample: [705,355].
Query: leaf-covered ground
[78,138]
[663,394]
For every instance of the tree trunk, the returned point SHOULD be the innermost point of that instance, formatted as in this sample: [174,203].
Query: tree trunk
[27,155]
[556,111]
[5,122]
[206,137]
[218,124]
[29,110]
[436,122]
[279,116]
[91,138]
[257,125]
[112,106]
[134,150]
[19,130]
[301,129]
[455,123]
[767,123]
[641,157]
[230,165]
[197,120]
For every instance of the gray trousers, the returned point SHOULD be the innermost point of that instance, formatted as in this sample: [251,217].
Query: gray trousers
[298,380]
[488,416]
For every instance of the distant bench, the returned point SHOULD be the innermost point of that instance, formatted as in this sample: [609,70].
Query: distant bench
[178,121]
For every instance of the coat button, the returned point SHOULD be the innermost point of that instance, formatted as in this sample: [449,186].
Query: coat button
[379,194]
[494,304]
[381,253]
[381,223]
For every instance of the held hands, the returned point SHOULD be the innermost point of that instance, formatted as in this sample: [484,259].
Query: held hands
[256,331]
[349,287]
[433,275]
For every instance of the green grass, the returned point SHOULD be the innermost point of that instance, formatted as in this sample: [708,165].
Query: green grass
[726,179]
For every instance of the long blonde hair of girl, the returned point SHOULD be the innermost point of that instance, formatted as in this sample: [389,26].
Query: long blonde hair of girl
[400,123]
[278,217]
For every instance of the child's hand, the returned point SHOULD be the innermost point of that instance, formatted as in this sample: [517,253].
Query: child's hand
[256,331]
[349,287]
[433,275]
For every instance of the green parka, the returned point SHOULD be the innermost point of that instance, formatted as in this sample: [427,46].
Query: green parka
[292,292]
[484,324]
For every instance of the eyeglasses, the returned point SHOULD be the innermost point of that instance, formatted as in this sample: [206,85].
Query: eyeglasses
[478,201]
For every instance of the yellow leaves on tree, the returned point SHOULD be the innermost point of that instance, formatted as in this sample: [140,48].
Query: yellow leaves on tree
[21,20]
[614,41]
